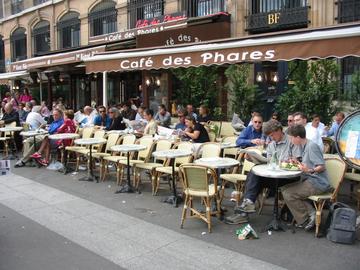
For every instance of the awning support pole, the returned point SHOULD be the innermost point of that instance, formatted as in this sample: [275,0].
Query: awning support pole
[105,98]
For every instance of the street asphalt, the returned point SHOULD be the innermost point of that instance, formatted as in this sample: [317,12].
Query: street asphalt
[148,235]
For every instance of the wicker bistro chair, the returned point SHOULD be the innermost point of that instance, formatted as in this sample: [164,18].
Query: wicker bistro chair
[208,149]
[196,181]
[86,133]
[85,151]
[167,169]
[237,178]
[336,169]
[230,152]
[112,140]
[6,137]
[115,157]
[143,156]
[161,145]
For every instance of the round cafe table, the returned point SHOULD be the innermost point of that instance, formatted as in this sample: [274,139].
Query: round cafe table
[91,142]
[277,174]
[171,154]
[64,136]
[34,133]
[127,148]
[12,129]
[217,162]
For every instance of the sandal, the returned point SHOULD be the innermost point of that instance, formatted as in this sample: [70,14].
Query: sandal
[36,155]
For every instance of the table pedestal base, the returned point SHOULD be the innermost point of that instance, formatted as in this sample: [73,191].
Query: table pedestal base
[125,189]
[276,225]
[65,170]
[90,179]
[174,200]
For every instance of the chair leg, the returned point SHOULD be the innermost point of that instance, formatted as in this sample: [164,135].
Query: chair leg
[183,215]
[106,170]
[318,206]
[208,213]
[263,197]
[77,162]
[118,168]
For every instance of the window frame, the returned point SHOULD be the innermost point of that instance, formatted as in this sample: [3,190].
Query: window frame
[14,38]
[73,25]
[37,33]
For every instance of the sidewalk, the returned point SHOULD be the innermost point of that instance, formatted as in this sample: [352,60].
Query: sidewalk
[151,228]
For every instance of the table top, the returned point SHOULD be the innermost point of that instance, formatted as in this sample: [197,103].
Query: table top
[265,171]
[226,145]
[32,133]
[217,162]
[172,153]
[64,136]
[128,148]
[90,141]
[9,129]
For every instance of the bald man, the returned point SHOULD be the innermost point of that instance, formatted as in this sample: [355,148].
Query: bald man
[10,115]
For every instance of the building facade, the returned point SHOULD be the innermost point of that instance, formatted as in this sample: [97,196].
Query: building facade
[48,41]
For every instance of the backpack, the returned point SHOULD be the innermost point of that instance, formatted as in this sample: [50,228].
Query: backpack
[342,227]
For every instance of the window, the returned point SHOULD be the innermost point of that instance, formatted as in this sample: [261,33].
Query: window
[261,6]
[349,66]
[103,19]
[144,10]
[18,45]
[349,10]
[194,8]
[2,55]
[17,6]
[38,2]
[41,37]
[69,31]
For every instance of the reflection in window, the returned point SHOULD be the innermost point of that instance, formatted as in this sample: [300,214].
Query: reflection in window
[103,19]
[195,8]
[69,31]
[261,6]
[41,37]
[17,6]
[349,10]
[18,45]
[144,10]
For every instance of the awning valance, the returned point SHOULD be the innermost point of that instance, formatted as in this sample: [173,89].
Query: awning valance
[5,77]
[336,42]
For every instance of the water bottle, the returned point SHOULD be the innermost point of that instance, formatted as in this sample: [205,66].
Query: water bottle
[274,162]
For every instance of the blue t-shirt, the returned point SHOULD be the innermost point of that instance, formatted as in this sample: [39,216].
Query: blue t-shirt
[245,137]
[180,126]
[55,125]
[98,121]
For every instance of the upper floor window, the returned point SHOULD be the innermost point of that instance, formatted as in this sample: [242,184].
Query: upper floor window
[194,8]
[261,6]
[68,29]
[17,6]
[349,10]
[38,2]
[2,55]
[103,19]
[41,37]
[144,10]
[18,44]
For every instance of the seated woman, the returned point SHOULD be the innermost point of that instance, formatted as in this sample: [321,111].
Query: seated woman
[151,126]
[195,131]
[67,126]
[204,116]
[116,120]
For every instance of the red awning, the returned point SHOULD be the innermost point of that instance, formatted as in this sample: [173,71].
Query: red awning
[338,41]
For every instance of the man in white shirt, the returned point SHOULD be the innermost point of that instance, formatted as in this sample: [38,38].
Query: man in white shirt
[35,121]
[312,130]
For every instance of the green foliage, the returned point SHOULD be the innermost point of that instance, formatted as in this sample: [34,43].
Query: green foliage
[314,88]
[355,93]
[198,86]
[245,97]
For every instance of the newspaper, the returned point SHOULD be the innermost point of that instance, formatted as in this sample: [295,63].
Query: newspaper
[254,157]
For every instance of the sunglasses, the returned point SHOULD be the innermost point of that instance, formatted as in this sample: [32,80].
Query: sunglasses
[111,112]
[290,120]
[101,111]
[257,122]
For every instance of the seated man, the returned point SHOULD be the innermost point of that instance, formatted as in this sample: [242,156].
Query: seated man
[163,117]
[127,112]
[116,120]
[314,180]
[280,143]
[339,117]
[35,121]
[252,135]
[181,124]
[11,115]
[66,126]
[102,119]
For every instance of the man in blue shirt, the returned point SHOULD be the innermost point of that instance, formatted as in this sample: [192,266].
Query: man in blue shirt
[339,117]
[102,119]
[58,121]
[181,125]
[252,135]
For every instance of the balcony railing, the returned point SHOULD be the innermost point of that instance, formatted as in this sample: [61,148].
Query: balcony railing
[274,15]
[144,10]
[69,33]
[17,6]
[103,22]
[349,11]
[195,8]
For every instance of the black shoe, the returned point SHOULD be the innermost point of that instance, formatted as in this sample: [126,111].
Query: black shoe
[19,164]
[311,223]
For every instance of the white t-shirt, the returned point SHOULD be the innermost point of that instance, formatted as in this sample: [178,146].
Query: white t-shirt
[35,120]
[314,134]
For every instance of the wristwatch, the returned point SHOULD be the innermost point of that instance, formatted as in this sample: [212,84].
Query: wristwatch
[311,171]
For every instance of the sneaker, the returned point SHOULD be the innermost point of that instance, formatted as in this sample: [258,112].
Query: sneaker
[36,155]
[43,162]
[236,219]
[311,223]
[19,164]
[247,206]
